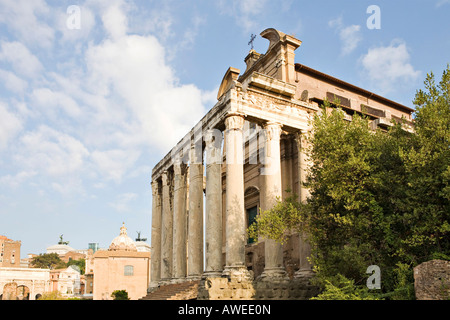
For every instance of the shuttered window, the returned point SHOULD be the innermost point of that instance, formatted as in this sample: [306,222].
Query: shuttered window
[128,271]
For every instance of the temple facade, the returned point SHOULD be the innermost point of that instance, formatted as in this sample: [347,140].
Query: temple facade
[242,156]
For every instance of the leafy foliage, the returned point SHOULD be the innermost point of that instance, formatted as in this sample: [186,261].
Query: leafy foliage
[341,288]
[120,295]
[80,264]
[53,261]
[47,261]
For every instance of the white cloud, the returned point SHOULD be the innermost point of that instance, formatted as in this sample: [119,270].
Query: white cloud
[122,202]
[20,58]
[442,2]
[350,36]
[245,12]
[10,126]
[96,117]
[388,67]
[25,19]
[133,70]
[13,181]
[12,82]
[115,21]
[51,102]
[114,164]
[51,152]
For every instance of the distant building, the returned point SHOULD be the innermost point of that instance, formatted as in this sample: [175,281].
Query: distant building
[121,267]
[141,245]
[9,252]
[94,247]
[66,252]
[66,281]
[60,249]
[18,282]
[24,283]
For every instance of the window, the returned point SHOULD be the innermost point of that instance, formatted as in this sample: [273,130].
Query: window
[251,215]
[128,271]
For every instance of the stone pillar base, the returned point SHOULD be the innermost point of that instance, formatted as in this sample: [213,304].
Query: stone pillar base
[304,274]
[152,287]
[211,274]
[178,280]
[284,289]
[275,274]
[238,273]
[224,288]
[194,277]
[164,282]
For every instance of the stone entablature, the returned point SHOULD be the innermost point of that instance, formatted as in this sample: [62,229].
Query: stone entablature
[252,139]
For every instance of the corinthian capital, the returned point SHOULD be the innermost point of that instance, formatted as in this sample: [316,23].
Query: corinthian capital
[165,178]
[273,130]
[234,122]
[155,188]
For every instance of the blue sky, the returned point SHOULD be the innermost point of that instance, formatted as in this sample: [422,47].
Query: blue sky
[91,100]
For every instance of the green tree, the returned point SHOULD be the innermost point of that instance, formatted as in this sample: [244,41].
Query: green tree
[47,261]
[80,263]
[428,167]
[120,295]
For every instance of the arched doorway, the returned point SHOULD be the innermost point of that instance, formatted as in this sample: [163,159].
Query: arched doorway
[10,291]
[22,293]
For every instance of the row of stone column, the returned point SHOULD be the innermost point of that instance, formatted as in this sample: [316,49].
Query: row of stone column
[169,228]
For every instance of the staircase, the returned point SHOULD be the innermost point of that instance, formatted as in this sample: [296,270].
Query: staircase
[177,291]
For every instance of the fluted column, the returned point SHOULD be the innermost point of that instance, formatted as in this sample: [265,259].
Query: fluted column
[179,222]
[271,174]
[156,235]
[195,241]
[213,204]
[305,268]
[167,230]
[234,200]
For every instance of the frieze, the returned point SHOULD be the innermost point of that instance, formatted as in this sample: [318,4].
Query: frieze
[273,104]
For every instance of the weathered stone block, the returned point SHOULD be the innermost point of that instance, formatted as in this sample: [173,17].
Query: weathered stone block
[432,280]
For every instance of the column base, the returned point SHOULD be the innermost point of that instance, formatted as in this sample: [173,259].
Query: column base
[194,277]
[211,274]
[164,282]
[274,274]
[239,273]
[178,280]
[304,274]
[152,287]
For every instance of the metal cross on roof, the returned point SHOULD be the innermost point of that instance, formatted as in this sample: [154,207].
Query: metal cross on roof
[252,38]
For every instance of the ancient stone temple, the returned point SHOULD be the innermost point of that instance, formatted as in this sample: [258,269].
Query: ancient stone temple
[243,155]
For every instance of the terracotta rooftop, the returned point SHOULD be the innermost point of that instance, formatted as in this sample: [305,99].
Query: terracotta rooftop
[320,75]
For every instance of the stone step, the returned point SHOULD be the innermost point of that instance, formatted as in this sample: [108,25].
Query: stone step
[177,291]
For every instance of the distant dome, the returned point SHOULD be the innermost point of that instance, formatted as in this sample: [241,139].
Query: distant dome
[123,241]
